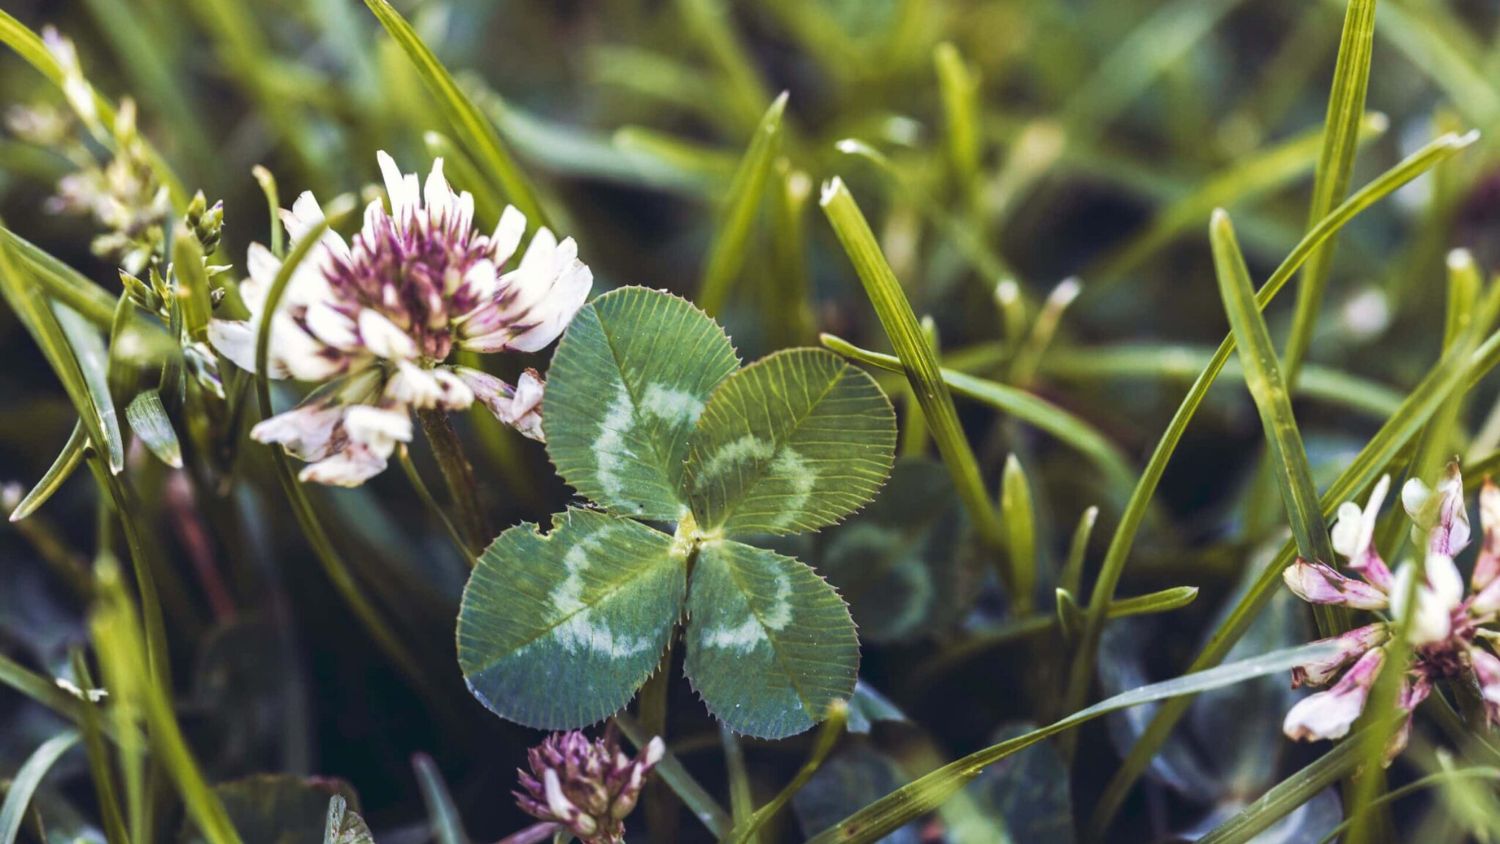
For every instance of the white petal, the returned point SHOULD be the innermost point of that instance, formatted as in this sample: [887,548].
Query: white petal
[331,326]
[401,189]
[1446,583]
[350,467]
[307,432]
[235,340]
[1414,494]
[384,338]
[412,385]
[455,394]
[1345,531]
[438,195]
[508,233]
[304,214]
[263,267]
[378,428]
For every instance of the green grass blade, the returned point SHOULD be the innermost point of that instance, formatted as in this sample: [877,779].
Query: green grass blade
[69,459]
[62,282]
[959,88]
[479,136]
[1436,779]
[828,736]
[710,22]
[1274,404]
[447,827]
[1019,515]
[1341,129]
[192,284]
[1433,52]
[1029,408]
[86,347]
[926,793]
[1135,510]
[26,781]
[1287,795]
[727,255]
[1456,370]
[1165,600]
[1071,577]
[91,725]
[333,564]
[916,357]
[676,776]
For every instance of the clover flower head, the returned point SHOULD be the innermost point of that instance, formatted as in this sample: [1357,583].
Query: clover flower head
[586,787]
[1443,621]
[376,319]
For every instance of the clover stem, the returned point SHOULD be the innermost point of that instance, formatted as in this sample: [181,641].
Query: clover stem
[458,473]
[661,811]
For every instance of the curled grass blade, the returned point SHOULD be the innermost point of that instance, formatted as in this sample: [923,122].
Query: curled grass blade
[72,456]
[447,827]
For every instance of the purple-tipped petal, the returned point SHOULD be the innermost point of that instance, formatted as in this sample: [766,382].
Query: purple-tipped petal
[1328,715]
[1318,583]
[1351,646]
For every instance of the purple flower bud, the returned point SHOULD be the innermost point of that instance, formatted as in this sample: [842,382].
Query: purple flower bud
[1438,516]
[589,787]
[1318,583]
[1351,646]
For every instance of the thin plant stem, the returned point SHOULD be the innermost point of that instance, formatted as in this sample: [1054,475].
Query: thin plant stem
[410,468]
[458,474]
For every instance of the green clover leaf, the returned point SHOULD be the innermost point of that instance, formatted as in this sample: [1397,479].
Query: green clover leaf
[648,415]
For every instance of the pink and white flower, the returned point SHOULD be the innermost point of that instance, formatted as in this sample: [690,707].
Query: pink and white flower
[376,319]
[1442,622]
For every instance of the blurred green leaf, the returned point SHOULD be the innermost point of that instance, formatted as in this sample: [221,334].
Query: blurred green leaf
[279,808]
[901,562]
[742,201]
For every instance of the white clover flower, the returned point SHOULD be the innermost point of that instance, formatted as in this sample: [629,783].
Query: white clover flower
[1444,619]
[376,321]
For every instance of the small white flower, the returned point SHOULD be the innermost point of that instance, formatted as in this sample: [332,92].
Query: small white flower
[379,316]
[1328,715]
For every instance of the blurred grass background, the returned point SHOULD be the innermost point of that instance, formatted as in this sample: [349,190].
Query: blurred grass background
[1014,141]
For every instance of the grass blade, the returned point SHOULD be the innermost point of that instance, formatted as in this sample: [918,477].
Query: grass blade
[828,736]
[1123,540]
[447,827]
[469,125]
[926,793]
[1166,600]
[26,781]
[1456,370]
[1288,794]
[960,90]
[1020,527]
[916,358]
[333,564]
[62,282]
[727,255]
[1273,402]
[1023,405]
[72,455]
[148,419]
[1341,128]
